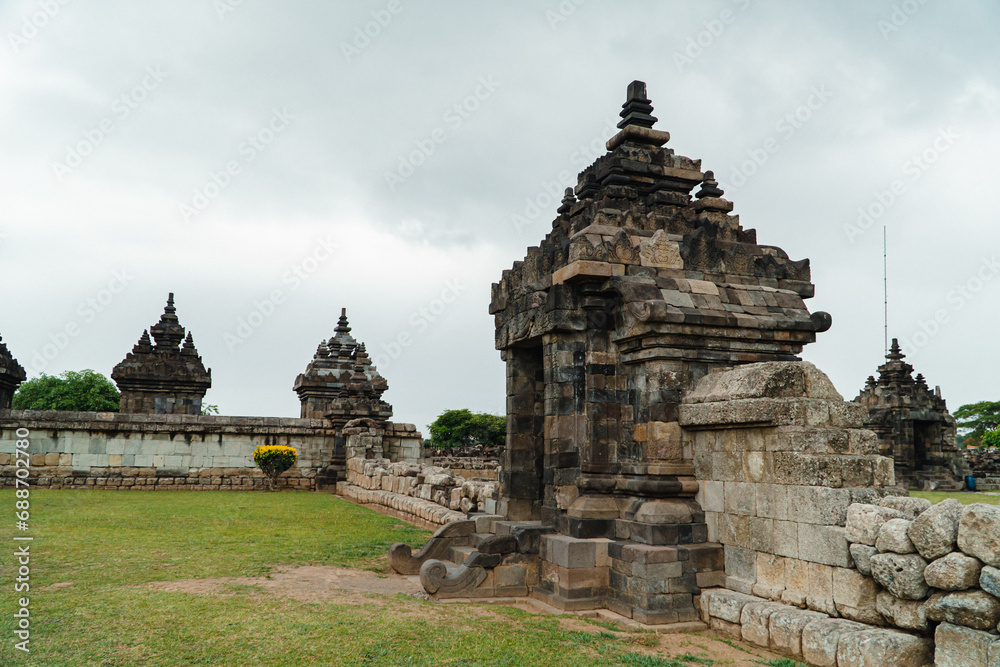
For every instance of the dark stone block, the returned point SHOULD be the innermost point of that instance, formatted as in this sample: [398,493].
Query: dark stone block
[498,544]
[484,560]
[562,459]
[587,528]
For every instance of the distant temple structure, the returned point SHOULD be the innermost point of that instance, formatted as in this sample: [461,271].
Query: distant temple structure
[165,375]
[11,375]
[340,383]
[914,426]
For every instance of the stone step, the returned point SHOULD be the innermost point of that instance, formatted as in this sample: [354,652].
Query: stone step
[478,538]
[459,554]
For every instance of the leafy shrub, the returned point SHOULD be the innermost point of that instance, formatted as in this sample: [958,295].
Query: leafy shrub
[992,438]
[85,391]
[274,460]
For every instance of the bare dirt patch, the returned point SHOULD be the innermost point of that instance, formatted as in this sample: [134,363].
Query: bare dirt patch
[307,583]
[726,653]
[313,583]
[58,585]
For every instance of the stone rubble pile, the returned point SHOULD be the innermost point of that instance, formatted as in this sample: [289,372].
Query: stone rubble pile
[937,570]
[433,483]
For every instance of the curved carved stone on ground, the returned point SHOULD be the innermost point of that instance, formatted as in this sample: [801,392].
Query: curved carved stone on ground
[440,578]
[404,561]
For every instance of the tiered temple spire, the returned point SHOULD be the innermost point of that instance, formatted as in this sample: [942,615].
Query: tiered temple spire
[167,377]
[913,424]
[340,383]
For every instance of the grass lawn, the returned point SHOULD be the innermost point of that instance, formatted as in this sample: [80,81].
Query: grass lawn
[95,553]
[963,497]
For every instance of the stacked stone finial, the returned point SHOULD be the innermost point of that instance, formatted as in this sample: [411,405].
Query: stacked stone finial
[165,378]
[342,325]
[638,108]
[569,198]
[710,187]
[11,375]
[168,333]
[913,425]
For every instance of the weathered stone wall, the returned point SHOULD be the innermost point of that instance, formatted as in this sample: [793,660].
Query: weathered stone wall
[153,451]
[821,550]
[387,467]
[781,456]
[438,485]
[934,570]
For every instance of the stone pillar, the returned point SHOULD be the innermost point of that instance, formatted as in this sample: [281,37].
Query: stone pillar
[521,478]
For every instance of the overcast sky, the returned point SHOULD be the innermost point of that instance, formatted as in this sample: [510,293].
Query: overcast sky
[272,162]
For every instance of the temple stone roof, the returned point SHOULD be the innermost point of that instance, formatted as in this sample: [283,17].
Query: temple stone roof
[675,260]
[167,367]
[11,375]
[340,380]
[896,388]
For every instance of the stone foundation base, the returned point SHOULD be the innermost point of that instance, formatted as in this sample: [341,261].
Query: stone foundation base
[812,636]
[239,480]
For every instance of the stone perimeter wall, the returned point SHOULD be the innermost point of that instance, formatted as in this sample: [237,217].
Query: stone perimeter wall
[933,570]
[153,451]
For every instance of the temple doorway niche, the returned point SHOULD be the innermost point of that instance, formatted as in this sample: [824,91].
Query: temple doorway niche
[923,435]
[521,478]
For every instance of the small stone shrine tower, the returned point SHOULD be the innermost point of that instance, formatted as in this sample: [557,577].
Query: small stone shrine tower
[167,377]
[11,375]
[638,292]
[340,383]
[914,426]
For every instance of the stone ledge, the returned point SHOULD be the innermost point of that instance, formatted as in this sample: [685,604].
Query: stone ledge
[811,635]
[123,421]
[425,510]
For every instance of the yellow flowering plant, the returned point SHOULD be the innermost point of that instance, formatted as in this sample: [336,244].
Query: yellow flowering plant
[274,460]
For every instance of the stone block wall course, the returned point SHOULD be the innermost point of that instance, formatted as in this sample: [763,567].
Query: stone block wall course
[781,458]
[172,451]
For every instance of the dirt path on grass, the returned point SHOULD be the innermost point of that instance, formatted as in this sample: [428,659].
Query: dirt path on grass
[317,582]
[307,583]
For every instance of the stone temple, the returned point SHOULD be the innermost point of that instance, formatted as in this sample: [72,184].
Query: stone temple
[11,375]
[647,284]
[165,375]
[914,426]
[638,292]
[341,384]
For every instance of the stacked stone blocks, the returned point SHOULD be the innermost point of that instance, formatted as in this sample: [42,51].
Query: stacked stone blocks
[150,451]
[782,457]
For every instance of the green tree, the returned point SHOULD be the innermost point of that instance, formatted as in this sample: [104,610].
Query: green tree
[463,428]
[992,438]
[975,419]
[84,391]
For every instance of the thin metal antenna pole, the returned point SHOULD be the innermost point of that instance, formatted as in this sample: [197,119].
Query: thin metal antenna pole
[885,287]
